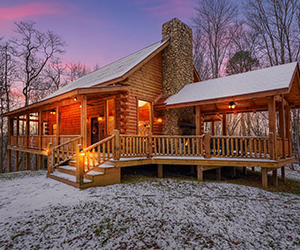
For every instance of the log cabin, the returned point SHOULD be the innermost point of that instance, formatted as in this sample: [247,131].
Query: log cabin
[149,108]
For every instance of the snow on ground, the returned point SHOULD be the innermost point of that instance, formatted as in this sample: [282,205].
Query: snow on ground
[39,213]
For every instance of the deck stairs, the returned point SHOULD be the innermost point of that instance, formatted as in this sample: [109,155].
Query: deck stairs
[105,174]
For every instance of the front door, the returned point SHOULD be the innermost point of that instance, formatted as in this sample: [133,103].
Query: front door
[94,130]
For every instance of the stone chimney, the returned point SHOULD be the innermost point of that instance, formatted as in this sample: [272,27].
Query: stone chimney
[177,70]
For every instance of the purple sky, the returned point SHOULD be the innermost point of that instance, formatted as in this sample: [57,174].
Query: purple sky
[97,31]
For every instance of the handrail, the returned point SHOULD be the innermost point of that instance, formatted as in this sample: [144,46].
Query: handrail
[65,151]
[98,153]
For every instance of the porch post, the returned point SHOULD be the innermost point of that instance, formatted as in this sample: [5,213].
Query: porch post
[160,171]
[58,123]
[83,121]
[17,139]
[264,177]
[40,128]
[288,129]
[200,173]
[272,127]
[224,124]
[275,178]
[27,141]
[281,128]
[198,120]
[213,128]
[10,133]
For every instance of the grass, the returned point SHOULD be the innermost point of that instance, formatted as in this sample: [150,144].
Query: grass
[252,178]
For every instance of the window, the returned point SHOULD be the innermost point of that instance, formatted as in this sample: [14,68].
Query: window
[54,128]
[110,114]
[144,121]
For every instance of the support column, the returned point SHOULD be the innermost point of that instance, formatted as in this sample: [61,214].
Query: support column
[198,120]
[232,172]
[275,178]
[160,171]
[83,121]
[17,140]
[17,161]
[40,128]
[10,133]
[272,127]
[199,173]
[224,124]
[27,161]
[213,131]
[264,177]
[281,128]
[288,129]
[58,124]
[283,173]
[218,174]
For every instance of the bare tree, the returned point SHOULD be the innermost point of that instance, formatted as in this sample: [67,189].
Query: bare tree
[34,49]
[76,70]
[7,76]
[212,23]
[277,24]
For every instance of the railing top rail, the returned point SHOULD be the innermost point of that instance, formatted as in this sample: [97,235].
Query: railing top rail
[99,143]
[67,142]
[178,136]
[239,137]
[141,136]
[69,136]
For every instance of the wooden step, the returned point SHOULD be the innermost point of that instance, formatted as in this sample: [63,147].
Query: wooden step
[72,171]
[68,179]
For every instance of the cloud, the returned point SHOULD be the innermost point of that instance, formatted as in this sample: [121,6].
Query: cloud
[168,8]
[29,10]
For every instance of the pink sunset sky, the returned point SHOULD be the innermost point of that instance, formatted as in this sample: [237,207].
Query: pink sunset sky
[97,31]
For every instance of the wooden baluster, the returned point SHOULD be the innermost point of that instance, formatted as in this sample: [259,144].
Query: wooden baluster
[88,159]
[99,156]
[250,148]
[201,146]
[255,147]
[93,157]
[163,145]
[108,149]
[231,144]
[265,148]
[242,147]
[227,146]
[259,147]
[214,146]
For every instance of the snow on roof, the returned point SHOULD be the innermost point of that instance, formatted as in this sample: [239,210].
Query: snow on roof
[273,78]
[111,71]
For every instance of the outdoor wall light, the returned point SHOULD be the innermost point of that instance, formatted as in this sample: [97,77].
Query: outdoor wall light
[159,120]
[81,151]
[232,105]
[100,118]
[52,112]
[75,98]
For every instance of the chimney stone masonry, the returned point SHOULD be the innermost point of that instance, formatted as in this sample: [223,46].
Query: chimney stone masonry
[177,70]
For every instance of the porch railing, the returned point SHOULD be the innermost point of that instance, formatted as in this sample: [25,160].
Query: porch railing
[130,146]
[240,146]
[33,141]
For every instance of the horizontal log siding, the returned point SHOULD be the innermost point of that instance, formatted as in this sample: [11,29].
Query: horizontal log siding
[70,119]
[145,84]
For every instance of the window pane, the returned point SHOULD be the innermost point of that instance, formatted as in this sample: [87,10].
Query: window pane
[144,124]
[110,104]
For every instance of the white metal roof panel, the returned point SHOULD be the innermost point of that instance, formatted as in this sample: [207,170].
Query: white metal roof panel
[262,80]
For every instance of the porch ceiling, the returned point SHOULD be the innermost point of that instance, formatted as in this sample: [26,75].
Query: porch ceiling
[68,99]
